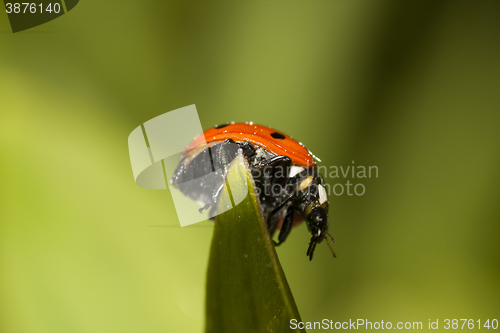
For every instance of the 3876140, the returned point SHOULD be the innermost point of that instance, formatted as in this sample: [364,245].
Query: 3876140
[31,8]
[470,324]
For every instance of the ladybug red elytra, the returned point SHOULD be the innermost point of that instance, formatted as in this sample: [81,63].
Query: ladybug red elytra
[288,185]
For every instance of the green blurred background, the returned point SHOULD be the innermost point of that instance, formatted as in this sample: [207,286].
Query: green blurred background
[411,87]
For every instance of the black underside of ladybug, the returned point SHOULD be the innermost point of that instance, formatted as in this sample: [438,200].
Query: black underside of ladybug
[283,189]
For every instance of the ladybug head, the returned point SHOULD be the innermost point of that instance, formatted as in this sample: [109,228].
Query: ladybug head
[317,222]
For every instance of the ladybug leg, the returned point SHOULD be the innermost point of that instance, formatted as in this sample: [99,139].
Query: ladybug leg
[273,218]
[207,206]
[273,224]
[311,248]
[286,227]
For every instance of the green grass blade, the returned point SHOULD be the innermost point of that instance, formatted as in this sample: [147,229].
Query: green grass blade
[246,287]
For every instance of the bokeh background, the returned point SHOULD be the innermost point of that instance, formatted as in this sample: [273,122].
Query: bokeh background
[412,87]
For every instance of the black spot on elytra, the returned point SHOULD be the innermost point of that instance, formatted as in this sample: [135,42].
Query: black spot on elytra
[221,126]
[277,135]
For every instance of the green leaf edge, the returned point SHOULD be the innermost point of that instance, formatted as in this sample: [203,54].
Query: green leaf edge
[237,176]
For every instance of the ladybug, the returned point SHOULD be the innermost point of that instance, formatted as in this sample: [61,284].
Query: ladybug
[287,182]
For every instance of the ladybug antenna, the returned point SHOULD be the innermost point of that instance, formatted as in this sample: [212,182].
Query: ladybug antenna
[333,240]
[328,243]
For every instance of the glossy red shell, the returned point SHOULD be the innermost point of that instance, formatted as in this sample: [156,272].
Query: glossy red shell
[261,136]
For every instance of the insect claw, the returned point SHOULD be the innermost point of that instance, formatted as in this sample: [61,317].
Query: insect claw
[207,206]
